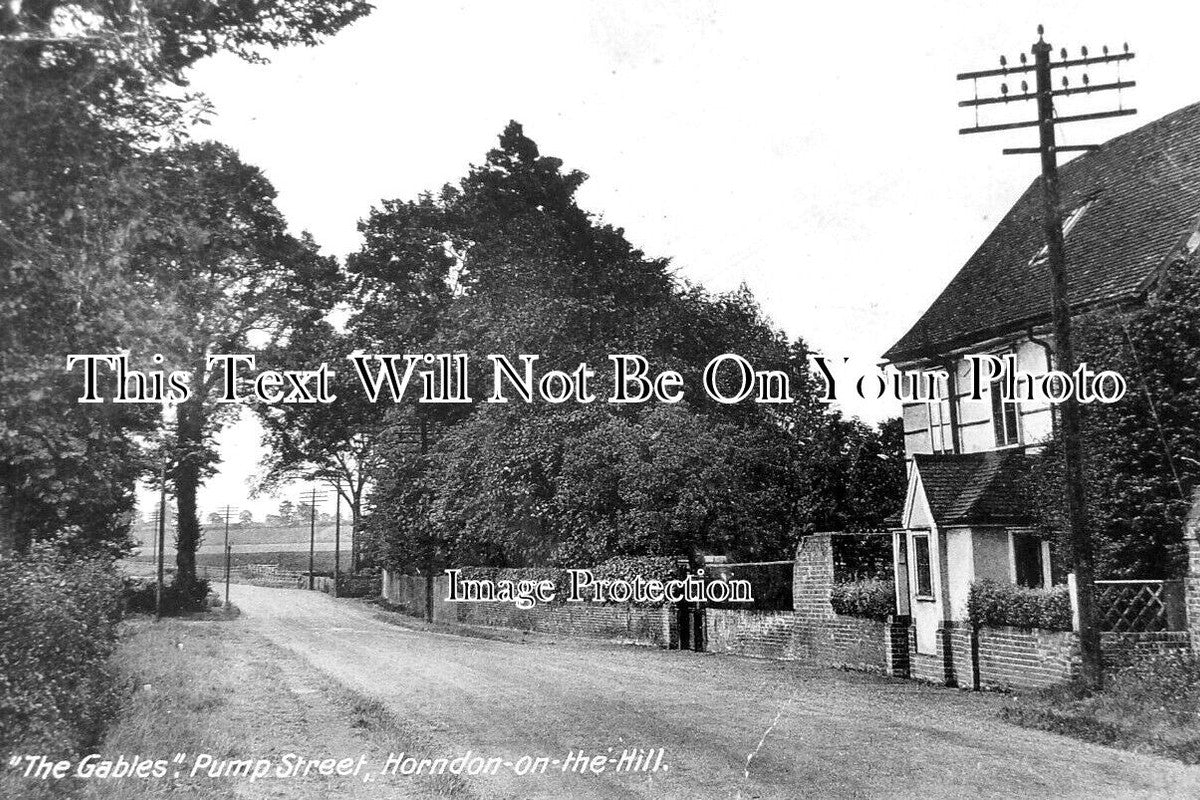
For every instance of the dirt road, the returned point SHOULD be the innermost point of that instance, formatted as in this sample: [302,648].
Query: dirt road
[813,733]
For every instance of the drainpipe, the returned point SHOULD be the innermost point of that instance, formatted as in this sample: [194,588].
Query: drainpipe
[1042,343]
[952,403]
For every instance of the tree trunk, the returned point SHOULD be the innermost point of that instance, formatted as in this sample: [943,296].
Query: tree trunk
[187,474]
[8,529]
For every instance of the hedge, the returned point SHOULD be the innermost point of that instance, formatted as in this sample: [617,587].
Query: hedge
[872,598]
[58,622]
[140,596]
[995,603]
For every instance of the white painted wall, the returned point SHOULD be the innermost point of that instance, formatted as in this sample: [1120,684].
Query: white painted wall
[961,562]
[922,434]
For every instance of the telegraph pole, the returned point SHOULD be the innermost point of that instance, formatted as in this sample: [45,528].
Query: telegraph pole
[1044,93]
[154,536]
[228,511]
[313,497]
[162,536]
[337,535]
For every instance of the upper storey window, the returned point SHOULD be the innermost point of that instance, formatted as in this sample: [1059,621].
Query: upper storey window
[1005,419]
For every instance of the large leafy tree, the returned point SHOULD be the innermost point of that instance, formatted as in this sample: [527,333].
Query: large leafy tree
[234,279]
[507,262]
[90,87]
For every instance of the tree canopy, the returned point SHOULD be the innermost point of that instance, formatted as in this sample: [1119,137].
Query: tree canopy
[507,262]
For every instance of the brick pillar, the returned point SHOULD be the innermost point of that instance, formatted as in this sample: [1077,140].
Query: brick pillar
[812,578]
[670,626]
[896,636]
[1191,537]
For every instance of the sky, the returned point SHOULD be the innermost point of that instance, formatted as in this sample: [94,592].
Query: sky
[810,151]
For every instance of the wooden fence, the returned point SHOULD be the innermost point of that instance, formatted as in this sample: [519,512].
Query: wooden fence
[1140,606]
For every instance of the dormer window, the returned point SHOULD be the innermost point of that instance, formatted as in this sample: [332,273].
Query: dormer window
[1068,223]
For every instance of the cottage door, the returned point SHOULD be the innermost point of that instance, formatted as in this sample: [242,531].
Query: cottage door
[926,615]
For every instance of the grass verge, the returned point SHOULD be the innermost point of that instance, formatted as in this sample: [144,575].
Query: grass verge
[1150,706]
[213,686]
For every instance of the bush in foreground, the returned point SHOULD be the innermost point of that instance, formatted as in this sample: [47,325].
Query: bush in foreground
[871,598]
[1151,705]
[58,622]
[995,603]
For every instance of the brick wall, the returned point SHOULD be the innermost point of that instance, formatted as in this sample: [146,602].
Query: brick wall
[760,634]
[1191,535]
[608,621]
[1120,649]
[618,622]
[1025,658]
[811,632]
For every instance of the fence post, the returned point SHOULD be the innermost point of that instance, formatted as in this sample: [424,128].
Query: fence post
[1073,591]
[1173,601]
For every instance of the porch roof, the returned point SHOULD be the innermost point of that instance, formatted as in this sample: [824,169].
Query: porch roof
[975,488]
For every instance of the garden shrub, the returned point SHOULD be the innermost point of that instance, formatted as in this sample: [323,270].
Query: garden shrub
[873,598]
[58,622]
[139,597]
[995,603]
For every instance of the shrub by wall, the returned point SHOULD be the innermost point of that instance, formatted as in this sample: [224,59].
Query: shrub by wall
[140,597]
[871,598]
[58,623]
[1005,604]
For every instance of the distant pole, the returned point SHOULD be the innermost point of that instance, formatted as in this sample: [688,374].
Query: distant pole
[228,510]
[312,540]
[337,539]
[162,535]
[430,583]
[154,537]
[313,497]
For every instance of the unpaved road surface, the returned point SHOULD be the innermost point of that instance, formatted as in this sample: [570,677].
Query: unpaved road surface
[814,733]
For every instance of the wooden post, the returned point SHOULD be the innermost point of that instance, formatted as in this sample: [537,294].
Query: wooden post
[1073,593]
[337,539]
[1081,543]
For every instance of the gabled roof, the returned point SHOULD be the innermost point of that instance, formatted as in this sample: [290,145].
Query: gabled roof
[975,488]
[1142,192]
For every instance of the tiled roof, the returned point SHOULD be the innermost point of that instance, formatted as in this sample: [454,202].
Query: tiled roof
[975,488]
[1144,194]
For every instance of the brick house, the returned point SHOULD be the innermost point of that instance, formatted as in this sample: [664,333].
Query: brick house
[1130,209]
